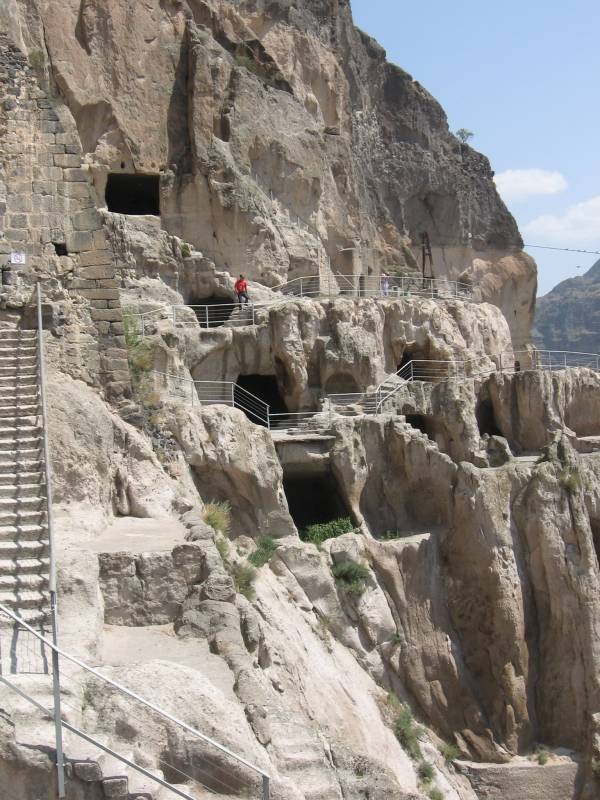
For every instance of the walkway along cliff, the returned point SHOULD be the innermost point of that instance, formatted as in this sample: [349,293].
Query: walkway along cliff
[342,542]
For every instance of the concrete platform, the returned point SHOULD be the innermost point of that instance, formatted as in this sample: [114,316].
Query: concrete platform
[522,779]
[135,535]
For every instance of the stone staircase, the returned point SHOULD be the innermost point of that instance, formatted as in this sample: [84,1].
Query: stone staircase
[24,545]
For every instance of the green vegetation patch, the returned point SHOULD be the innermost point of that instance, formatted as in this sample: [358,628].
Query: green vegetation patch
[218,516]
[243,576]
[408,732]
[264,551]
[351,576]
[321,531]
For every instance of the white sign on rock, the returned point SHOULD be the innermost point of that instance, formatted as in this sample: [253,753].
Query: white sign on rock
[17,258]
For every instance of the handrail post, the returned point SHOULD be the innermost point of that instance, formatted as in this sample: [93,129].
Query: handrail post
[266,789]
[268,417]
[206,310]
[174,315]
[232,394]
[60,767]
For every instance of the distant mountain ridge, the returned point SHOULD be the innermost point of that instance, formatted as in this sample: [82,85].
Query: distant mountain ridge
[568,317]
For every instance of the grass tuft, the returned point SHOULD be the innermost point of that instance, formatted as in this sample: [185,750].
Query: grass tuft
[435,794]
[321,531]
[243,576]
[450,752]
[408,732]
[351,576]
[425,771]
[218,516]
[263,553]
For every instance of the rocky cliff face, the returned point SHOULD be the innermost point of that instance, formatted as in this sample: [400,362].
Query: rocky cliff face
[285,141]
[461,582]
[568,317]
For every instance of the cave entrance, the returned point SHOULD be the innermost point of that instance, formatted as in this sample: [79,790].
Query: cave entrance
[313,497]
[213,311]
[486,420]
[421,423]
[133,194]
[263,387]
[412,353]
[342,383]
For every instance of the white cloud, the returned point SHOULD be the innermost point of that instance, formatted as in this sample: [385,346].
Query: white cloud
[519,184]
[579,225]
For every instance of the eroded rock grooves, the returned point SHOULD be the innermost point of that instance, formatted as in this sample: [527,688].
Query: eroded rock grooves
[149,154]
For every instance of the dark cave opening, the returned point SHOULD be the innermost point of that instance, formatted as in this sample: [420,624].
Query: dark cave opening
[341,383]
[133,194]
[421,423]
[263,387]
[313,497]
[213,311]
[486,420]
[595,526]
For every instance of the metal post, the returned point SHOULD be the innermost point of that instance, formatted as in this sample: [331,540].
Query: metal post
[206,310]
[269,428]
[253,318]
[233,395]
[60,767]
[266,791]
[174,315]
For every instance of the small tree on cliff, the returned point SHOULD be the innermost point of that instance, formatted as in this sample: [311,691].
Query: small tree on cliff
[464,134]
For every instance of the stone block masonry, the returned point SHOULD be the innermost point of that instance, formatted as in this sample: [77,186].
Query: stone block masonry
[47,199]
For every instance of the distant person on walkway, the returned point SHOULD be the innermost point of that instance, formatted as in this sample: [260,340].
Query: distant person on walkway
[385,283]
[241,289]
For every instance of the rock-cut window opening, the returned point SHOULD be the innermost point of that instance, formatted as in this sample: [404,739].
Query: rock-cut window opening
[264,387]
[133,194]
[213,311]
[313,497]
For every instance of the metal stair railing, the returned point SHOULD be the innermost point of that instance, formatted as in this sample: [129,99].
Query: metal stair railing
[218,393]
[209,316]
[167,718]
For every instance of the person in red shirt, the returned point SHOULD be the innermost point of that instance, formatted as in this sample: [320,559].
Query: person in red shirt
[241,289]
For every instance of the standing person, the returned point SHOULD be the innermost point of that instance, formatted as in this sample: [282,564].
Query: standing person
[385,283]
[241,289]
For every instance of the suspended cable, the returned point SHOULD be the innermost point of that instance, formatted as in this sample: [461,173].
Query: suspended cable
[563,249]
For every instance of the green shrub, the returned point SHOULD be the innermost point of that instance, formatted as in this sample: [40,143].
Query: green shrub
[351,576]
[408,732]
[570,480]
[396,638]
[218,516]
[186,250]
[450,752]
[425,771]
[222,545]
[321,531]
[264,551]
[131,329]
[244,60]
[435,794]
[243,576]
[542,756]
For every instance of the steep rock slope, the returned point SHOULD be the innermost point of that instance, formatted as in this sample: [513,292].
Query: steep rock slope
[568,317]
[284,140]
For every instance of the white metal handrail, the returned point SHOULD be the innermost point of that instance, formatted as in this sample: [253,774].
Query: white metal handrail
[60,770]
[138,698]
[312,286]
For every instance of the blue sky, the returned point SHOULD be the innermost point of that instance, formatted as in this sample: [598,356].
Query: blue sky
[525,77]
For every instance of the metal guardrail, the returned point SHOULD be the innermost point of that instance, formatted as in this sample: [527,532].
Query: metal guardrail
[312,286]
[71,685]
[371,402]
